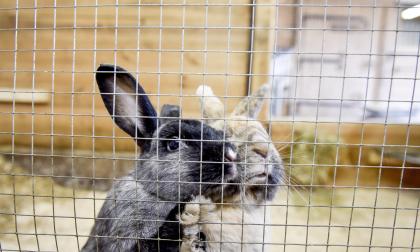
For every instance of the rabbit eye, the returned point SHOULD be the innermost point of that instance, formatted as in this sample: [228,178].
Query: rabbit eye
[172,145]
[263,152]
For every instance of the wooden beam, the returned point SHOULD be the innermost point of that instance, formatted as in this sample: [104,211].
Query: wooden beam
[263,42]
[22,95]
[262,47]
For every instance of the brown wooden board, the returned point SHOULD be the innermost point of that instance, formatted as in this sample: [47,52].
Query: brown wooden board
[172,51]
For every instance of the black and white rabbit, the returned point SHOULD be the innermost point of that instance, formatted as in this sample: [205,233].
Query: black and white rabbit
[180,159]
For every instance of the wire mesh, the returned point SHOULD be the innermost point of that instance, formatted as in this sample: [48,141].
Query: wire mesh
[341,108]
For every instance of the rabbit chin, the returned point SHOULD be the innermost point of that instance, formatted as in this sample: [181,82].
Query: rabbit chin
[261,178]
[261,189]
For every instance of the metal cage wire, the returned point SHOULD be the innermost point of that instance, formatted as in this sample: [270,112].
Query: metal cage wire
[343,100]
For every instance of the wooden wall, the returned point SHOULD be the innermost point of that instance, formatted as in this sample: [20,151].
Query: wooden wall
[172,49]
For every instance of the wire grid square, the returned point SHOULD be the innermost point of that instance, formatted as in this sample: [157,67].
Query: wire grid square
[343,76]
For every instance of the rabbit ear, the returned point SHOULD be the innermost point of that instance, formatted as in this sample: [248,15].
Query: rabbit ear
[126,102]
[251,106]
[211,105]
[169,113]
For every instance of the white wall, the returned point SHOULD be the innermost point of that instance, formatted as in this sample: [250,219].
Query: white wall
[348,59]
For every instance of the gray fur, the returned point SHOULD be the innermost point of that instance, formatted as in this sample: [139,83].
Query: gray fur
[139,204]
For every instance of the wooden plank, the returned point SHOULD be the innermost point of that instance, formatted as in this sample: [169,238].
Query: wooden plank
[82,134]
[170,74]
[351,133]
[263,46]
[8,95]
[286,19]
[264,33]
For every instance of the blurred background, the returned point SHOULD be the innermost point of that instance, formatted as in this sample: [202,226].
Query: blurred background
[344,109]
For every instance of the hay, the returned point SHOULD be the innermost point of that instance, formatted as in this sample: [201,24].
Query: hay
[49,214]
[345,219]
[57,217]
[312,164]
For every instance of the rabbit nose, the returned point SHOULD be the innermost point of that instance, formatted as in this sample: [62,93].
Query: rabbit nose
[231,168]
[230,155]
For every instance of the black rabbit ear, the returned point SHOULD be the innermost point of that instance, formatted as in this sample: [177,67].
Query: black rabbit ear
[169,113]
[127,102]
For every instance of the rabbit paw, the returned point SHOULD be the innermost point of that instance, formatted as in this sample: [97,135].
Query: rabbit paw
[193,239]
[191,213]
[199,245]
[194,243]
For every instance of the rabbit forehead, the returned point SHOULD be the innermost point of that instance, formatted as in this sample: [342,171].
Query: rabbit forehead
[251,133]
[188,129]
[243,128]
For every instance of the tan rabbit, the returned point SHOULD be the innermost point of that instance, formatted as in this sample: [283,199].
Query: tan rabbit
[239,222]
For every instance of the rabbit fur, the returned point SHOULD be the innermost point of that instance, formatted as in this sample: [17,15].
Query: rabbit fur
[144,205]
[243,213]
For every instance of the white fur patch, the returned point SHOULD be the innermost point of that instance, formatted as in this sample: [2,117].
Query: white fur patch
[235,228]
[204,90]
[231,154]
